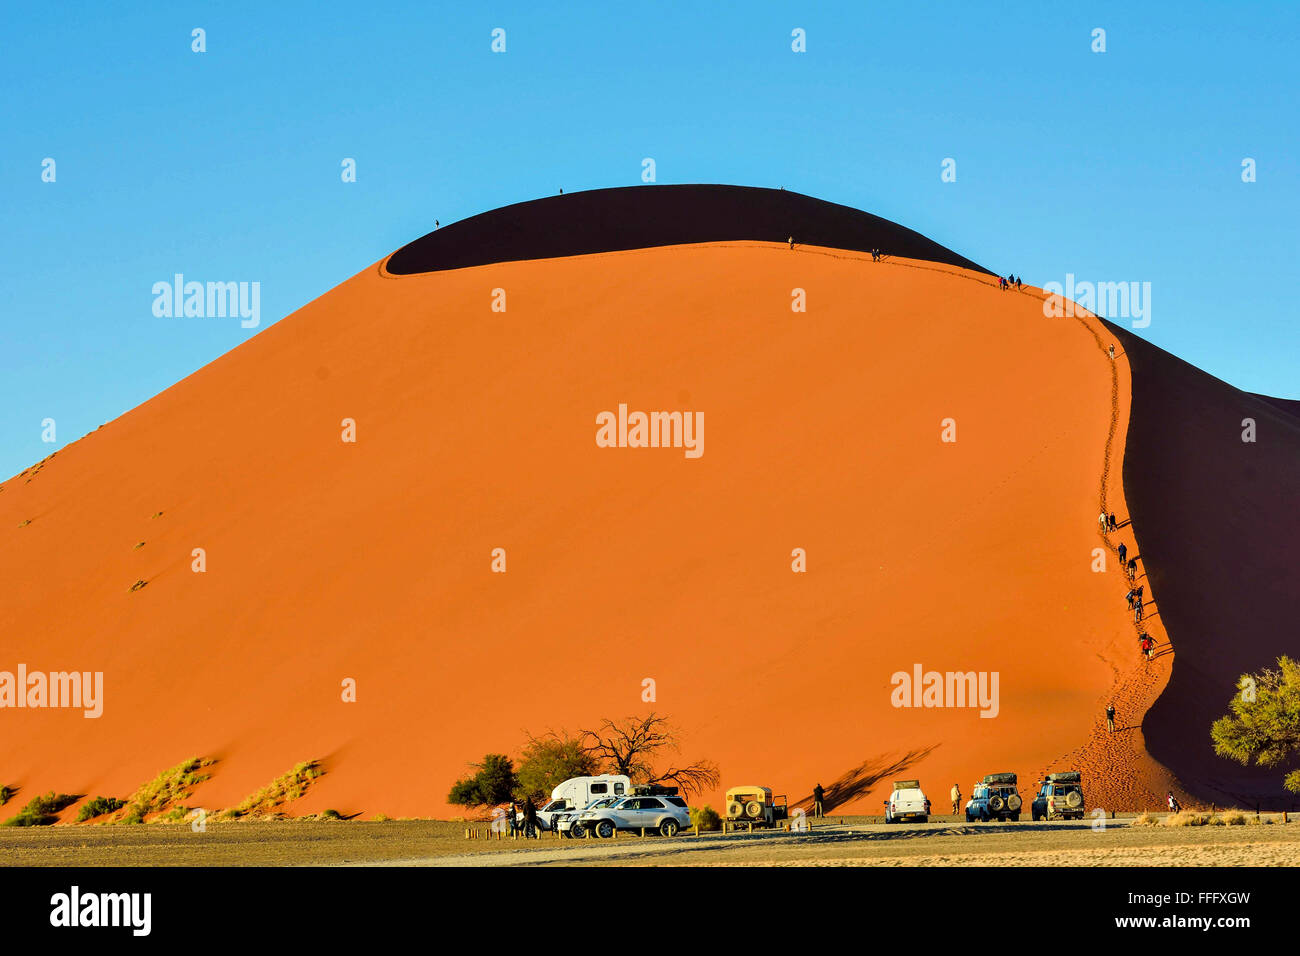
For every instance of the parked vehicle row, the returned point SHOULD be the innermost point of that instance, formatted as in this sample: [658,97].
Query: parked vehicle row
[600,806]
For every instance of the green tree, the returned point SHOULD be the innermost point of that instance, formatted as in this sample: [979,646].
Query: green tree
[550,760]
[1264,723]
[495,782]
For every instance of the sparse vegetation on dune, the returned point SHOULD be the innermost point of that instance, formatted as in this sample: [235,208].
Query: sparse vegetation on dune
[42,811]
[98,807]
[165,791]
[283,789]
[6,794]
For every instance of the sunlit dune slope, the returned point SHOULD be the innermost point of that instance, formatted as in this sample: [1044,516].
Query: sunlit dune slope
[475,430]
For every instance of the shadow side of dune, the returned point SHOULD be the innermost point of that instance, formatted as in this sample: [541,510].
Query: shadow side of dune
[641,217]
[1219,533]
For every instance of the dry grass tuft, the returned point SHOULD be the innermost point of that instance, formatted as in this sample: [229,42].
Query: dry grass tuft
[284,789]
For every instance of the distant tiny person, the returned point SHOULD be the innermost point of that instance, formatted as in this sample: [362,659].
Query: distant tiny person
[1148,646]
[1123,553]
[1103,519]
[791,241]
[818,796]
[1110,717]
[956,798]
[1174,805]
[1114,525]
[1132,569]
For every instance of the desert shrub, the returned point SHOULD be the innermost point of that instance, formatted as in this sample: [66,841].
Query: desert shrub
[495,782]
[165,790]
[1146,820]
[42,811]
[283,789]
[1186,818]
[98,807]
[1229,818]
[6,794]
[706,818]
[330,815]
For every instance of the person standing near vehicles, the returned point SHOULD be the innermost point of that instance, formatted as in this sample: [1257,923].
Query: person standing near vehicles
[819,795]
[956,798]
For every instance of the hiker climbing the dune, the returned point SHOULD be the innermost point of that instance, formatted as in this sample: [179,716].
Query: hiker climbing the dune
[1112,353]
[1132,567]
[1130,597]
[1019,284]
[1114,525]
[1148,646]
[1137,610]
[1123,553]
[1103,519]
[791,241]
[1110,717]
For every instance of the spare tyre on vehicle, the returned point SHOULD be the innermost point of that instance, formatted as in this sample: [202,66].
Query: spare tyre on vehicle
[1013,802]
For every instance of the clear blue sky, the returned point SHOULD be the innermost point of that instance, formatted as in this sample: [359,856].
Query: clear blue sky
[225,165]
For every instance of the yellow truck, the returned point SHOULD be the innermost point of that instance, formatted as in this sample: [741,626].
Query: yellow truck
[757,806]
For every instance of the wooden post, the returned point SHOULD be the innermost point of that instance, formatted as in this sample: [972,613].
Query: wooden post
[643,833]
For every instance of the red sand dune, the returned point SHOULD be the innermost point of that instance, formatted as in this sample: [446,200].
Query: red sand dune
[476,430]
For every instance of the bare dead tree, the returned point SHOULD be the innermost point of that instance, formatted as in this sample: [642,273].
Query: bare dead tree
[632,745]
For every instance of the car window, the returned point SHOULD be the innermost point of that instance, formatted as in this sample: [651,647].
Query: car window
[677,801]
[649,803]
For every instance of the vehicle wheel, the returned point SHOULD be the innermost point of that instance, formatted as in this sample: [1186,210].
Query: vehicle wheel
[734,809]
[922,819]
[578,833]
[1074,800]
[605,829]
[1013,803]
[669,827]
[984,816]
[995,803]
[969,818]
[1034,814]
[753,809]
[1015,818]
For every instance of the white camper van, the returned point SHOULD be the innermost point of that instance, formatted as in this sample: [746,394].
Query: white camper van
[578,792]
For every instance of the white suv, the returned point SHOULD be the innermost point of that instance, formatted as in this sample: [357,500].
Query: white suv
[567,823]
[667,814]
[907,801]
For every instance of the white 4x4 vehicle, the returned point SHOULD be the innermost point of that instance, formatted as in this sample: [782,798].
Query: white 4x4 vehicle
[667,814]
[567,824]
[907,802]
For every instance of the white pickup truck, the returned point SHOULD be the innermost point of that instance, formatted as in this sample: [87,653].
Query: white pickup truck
[907,802]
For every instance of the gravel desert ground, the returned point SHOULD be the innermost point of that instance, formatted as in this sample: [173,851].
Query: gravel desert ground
[860,841]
